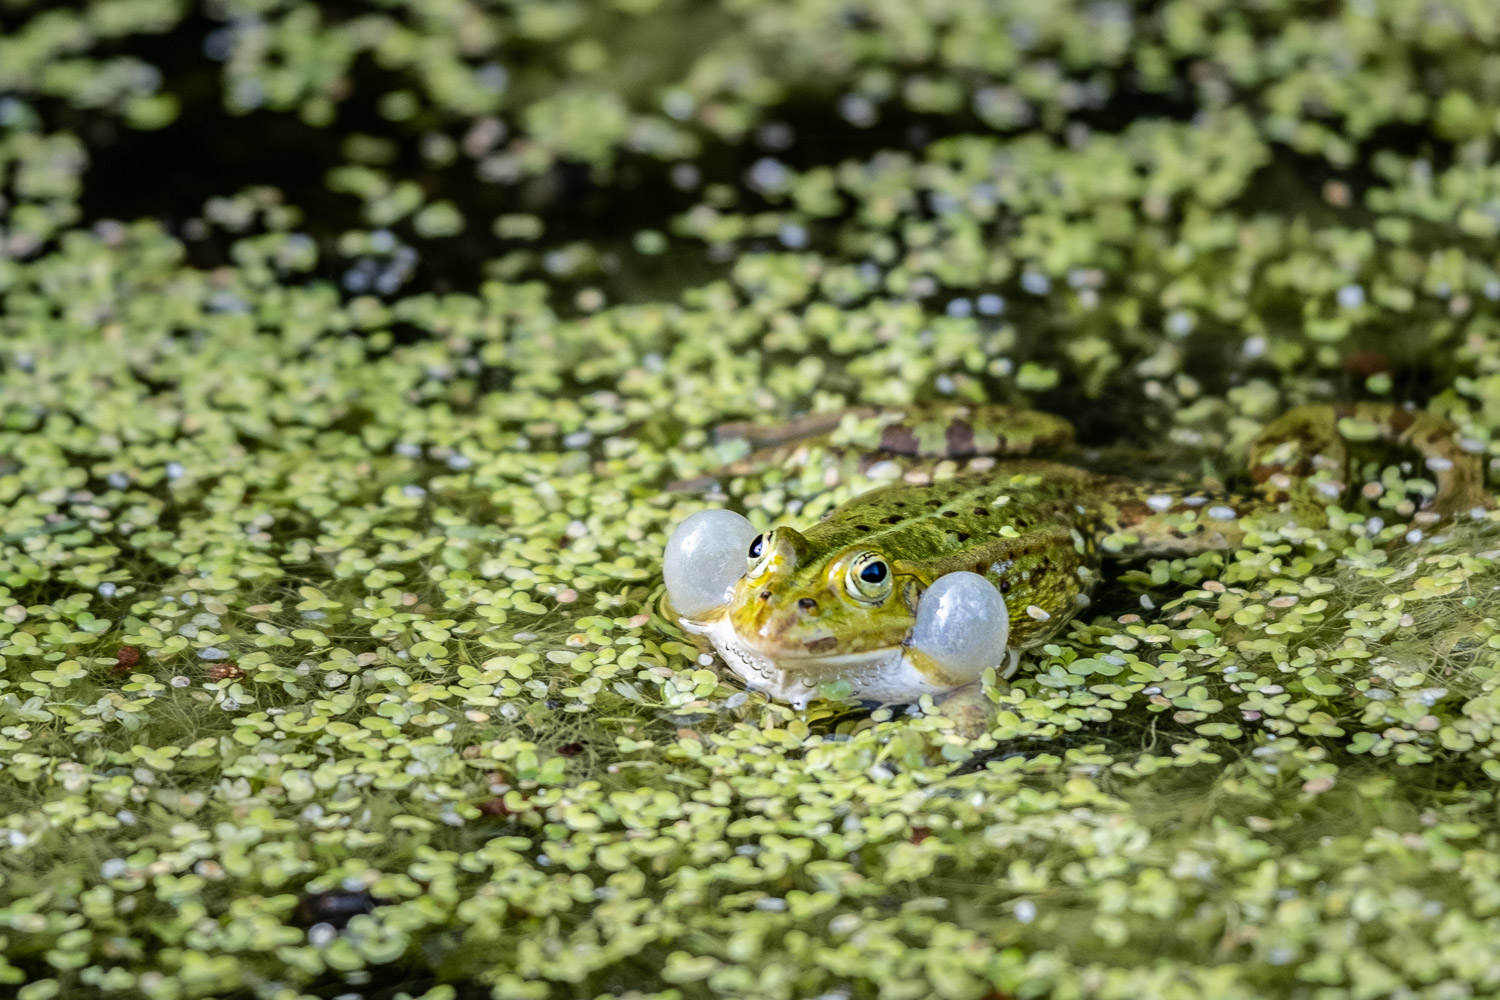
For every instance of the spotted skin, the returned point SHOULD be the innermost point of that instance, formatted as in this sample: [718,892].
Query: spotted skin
[1028,532]
[941,430]
[1303,456]
[1038,531]
[919,437]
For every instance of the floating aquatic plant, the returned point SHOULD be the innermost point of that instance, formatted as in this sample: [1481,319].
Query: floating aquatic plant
[332,501]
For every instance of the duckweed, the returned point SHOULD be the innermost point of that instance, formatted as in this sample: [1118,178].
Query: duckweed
[334,496]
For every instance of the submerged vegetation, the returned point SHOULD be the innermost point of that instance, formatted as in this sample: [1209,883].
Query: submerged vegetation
[346,349]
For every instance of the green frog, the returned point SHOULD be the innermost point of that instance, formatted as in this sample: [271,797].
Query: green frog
[919,586]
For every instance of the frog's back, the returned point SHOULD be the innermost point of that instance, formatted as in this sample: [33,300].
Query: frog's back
[1029,528]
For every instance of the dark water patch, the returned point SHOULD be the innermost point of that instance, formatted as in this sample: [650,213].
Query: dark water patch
[169,173]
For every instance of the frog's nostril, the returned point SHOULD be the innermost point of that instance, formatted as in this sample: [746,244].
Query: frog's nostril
[765,595]
[807,604]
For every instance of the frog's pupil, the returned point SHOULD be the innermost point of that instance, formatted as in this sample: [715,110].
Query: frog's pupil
[873,573]
[755,546]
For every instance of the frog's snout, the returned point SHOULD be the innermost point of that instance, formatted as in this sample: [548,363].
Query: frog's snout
[776,622]
[774,618]
[806,605]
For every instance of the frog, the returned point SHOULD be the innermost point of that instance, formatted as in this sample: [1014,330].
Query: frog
[979,550]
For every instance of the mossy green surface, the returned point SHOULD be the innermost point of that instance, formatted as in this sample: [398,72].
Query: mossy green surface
[328,665]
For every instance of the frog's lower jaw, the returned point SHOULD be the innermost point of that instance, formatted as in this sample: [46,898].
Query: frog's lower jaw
[892,675]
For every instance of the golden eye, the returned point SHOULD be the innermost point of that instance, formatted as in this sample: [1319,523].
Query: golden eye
[760,554]
[868,578]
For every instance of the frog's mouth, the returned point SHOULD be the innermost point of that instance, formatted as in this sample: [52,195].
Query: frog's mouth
[888,674]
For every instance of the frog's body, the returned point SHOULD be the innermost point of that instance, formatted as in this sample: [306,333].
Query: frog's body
[1034,530]
[842,600]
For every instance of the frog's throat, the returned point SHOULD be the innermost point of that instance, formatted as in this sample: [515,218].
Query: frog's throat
[892,675]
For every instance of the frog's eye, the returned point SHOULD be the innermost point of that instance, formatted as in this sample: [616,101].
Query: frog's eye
[962,625]
[759,553]
[868,578]
[779,550]
[704,559]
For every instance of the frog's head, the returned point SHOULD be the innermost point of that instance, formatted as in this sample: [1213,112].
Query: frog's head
[788,616]
[795,602]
